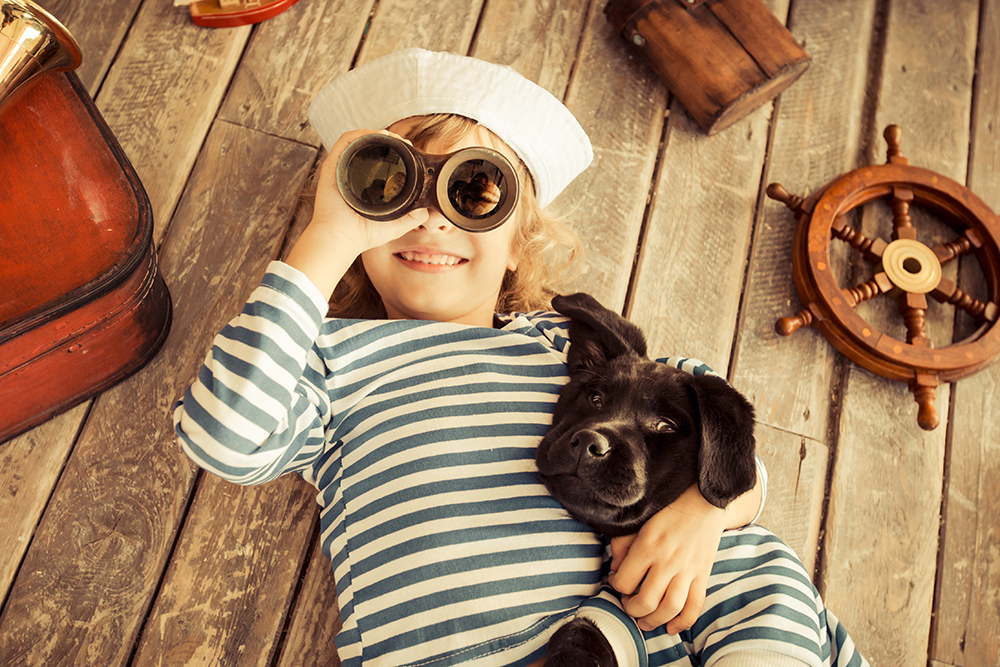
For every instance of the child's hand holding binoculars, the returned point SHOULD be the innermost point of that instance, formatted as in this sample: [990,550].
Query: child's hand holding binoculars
[337,235]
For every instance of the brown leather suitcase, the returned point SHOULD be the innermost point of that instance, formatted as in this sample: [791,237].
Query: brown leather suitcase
[82,302]
[721,58]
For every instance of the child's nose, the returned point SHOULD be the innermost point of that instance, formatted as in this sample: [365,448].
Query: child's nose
[436,221]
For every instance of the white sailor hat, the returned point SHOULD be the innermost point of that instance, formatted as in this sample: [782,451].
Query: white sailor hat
[414,82]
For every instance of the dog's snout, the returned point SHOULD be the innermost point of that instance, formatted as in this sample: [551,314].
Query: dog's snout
[591,443]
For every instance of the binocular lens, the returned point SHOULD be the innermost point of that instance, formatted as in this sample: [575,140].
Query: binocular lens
[376,174]
[383,178]
[476,188]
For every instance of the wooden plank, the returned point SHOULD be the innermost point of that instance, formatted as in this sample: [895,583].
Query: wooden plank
[538,39]
[439,25]
[621,104]
[89,575]
[162,94]
[275,84]
[30,465]
[694,251]
[232,575]
[966,626]
[231,579]
[816,138]
[880,551]
[316,620]
[796,468]
[99,26]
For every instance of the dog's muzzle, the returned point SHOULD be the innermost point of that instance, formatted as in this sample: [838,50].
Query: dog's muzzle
[590,444]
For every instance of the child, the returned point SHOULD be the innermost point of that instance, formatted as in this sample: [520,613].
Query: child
[418,421]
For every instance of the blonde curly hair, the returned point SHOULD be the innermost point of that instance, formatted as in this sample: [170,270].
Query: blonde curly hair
[548,251]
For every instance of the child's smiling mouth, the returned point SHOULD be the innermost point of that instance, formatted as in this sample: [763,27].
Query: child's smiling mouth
[430,260]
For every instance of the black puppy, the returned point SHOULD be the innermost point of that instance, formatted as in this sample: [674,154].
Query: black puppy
[629,435]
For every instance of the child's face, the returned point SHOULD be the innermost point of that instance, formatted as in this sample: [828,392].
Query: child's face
[438,271]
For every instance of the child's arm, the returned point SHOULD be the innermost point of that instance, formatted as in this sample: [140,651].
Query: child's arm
[663,569]
[252,413]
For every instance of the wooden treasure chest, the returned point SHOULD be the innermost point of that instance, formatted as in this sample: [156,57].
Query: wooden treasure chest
[82,303]
[721,58]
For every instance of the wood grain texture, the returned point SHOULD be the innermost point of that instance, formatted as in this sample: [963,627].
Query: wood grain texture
[882,537]
[316,619]
[816,137]
[796,469]
[123,491]
[99,27]
[621,105]
[225,596]
[689,278]
[686,294]
[30,465]
[162,94]
[966,626]
[538,39]
[289,59]
[438,25]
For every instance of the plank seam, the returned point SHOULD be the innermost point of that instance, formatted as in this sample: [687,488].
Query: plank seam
[579,50]
[765,170]
[957,334]
[661,151]
[364,35]
[99,84]
[154,597]
[477,28]
[295,599]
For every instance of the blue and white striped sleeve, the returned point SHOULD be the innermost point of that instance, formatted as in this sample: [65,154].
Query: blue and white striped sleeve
[252,414]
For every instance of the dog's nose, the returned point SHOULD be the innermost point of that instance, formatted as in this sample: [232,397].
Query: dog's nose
[591,443]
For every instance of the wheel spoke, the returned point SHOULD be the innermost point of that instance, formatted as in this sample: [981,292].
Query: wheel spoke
[913,308]
[872,248]
[964,244]
[902,223]
[879,284]
[948,292]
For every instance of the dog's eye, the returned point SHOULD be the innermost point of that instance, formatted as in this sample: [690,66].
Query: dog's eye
[666,426]
[597,401]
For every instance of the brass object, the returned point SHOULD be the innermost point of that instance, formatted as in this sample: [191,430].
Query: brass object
[904,269]
[32,42]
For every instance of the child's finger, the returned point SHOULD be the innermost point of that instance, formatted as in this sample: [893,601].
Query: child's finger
[619,549]
[659,601]
[691,611]
[629,574]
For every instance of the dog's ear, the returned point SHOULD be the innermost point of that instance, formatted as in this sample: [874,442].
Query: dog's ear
[726,464]
[596,333]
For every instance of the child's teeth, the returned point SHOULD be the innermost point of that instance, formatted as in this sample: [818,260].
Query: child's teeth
[430,259]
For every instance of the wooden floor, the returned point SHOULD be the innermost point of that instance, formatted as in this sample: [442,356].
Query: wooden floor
[115,550]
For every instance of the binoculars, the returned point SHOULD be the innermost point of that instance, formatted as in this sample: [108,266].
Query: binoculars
[384,178]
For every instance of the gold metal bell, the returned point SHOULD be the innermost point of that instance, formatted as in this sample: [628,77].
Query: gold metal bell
[32,42]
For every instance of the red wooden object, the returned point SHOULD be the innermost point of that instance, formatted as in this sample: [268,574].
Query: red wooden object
[82,303]
[208,13]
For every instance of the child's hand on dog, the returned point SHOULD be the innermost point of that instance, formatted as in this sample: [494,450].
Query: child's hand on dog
[662,571]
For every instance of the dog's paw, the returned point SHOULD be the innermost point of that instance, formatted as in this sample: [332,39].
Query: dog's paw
[579,644]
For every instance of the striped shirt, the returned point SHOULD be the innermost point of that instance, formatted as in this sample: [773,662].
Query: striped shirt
[420,438]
